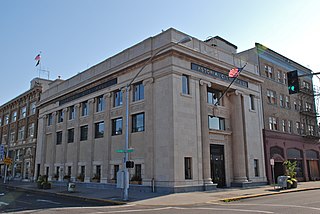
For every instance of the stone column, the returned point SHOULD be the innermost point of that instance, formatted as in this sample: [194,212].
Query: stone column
[89,160]
[148,173]
[52,160]
[206,168]
[238,141]
[64,144]
[74,169]
[105,168]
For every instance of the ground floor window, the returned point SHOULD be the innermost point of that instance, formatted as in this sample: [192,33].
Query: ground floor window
[188,168]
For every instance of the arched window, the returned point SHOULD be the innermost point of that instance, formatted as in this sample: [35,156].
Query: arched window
[294,154]
[311,154]
[275,150]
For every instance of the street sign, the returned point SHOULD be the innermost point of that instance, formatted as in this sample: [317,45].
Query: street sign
[124,151]
[272,162]
[7,161]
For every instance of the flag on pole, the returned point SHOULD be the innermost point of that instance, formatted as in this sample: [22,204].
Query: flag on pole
[234,72]
[37,58]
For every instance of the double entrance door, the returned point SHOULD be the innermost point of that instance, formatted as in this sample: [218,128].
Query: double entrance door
[217,165]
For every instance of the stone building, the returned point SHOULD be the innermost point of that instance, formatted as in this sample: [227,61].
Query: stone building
[181,141]
[18,131]
[290,122]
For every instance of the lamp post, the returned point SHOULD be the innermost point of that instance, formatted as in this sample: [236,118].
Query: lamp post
[126,146]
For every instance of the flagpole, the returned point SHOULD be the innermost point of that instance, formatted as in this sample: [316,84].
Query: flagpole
[225,91]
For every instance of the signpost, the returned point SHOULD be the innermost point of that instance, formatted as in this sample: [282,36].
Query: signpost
[272,166]
[7,161]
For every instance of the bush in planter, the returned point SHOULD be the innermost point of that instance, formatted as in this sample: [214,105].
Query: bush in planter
[136,179]
[80,177]
[291,173]
[67,177]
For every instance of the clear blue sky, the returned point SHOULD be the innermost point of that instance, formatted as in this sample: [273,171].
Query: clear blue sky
[74,35]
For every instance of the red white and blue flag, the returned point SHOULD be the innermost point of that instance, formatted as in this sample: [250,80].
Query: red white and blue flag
[234,72]
[37,58]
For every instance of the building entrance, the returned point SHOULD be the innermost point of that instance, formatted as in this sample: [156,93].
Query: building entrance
[217,165]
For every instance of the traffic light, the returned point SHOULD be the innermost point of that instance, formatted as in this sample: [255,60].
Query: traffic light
[129,164]
[293,82]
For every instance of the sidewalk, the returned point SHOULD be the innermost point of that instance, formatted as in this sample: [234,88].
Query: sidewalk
[114,196]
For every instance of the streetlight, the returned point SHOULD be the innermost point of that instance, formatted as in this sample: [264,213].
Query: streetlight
[126,146]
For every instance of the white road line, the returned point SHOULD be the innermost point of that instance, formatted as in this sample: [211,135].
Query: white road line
[48,201]
[276,205]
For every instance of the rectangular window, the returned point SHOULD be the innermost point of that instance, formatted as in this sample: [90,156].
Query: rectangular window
[138,91]
[308,106]
[279,77]
[6,119]
[287,102]
[216,123]
[310,130]
[117,98]
[14,116]
[185,84]
[284,78]
[84,133]
[50,119]
[256,167]
[188,168]
[71,135]
[59,137]
[83,171]
[72,113]
[0,121]
[31,130]
[298,127]
[289,126]
[213,96]
[281,100]
[273,123]
[84,108]
[60,116]
[117,126]
[100,103]
[32,108]
[23,112]
[138,122]
[21,133]
[271,95]
[12,137]
[252,106]
[99,129]
[283,124]
[268,71]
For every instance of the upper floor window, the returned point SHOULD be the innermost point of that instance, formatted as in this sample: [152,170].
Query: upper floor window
[31,130]
[251,102]
[0,121]
[308,106]
[310,130]
[271,95]
[14,116]
[100,103]
[306,85]
[71,135]
[6,119]
[23,112]
[138,91]
[32,108]
[21,133]
[50,119]
[213,96]
[185,84]
[268,71]
[216,123]
[283,125]
[117,98]
[84,108]
[99,130]
[279,77]
[138,122]
[284,78]
[295,105]
[84,133]
[72,113]
[281,100]
[117,126]
[289,126]
[60,116]
[273,123]
[59,137]
[298,127]
[287,102]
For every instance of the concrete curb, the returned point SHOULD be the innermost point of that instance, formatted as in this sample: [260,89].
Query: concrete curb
[266,194]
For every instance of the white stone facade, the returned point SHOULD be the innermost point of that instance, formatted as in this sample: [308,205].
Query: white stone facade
[174,132]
